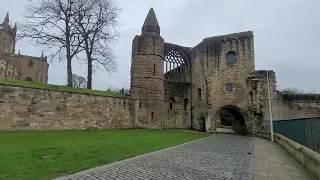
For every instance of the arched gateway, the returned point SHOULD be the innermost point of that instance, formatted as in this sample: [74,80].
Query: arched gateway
[173,86]
[231,115]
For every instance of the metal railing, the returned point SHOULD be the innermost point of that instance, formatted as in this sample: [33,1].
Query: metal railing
[304,131]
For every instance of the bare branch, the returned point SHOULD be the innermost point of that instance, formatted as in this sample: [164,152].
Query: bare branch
[50,23]
[78,81]
[97,22]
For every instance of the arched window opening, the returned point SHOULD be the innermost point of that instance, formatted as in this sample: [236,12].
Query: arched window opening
[185,104]
[199,93]
[30,64]
[28,79]
[140,104]
[172,101]
[229,87]
[231,58]
[152,115]
[174,65]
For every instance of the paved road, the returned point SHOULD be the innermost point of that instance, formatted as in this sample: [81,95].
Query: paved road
[222,156]
[225,131]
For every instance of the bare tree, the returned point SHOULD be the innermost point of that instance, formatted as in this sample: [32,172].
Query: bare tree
[97,22]
[51,23]
[293,90]
[78,81]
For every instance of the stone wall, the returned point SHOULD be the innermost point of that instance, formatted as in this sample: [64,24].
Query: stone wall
[147,80]
[286,106]
[25,108]
[179,116]
[38,72]
[211,73]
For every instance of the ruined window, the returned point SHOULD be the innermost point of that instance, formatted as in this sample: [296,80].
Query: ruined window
[9,74]
[152,115]
[28,79]
[231,57]
[185,104]
[30,64]
[140,104]
[199,93]
[174,65]
[229,87]
[172,101]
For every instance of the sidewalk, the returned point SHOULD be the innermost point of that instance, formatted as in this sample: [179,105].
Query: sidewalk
[272,162]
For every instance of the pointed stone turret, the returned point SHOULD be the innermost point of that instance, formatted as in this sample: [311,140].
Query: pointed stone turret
[6,19]
[42,54]
[151,23]
[15,28]
[147,83]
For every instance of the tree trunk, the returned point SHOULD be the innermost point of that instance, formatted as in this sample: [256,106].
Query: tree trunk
[89,78]
[69,69]
[68,55]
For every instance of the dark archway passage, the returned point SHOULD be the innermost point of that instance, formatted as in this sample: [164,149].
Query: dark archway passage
[203,124]
[233,116]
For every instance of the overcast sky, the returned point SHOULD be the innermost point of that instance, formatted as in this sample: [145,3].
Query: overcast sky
[287,35]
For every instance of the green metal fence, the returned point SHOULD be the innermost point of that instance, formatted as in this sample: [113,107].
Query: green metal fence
[303,131]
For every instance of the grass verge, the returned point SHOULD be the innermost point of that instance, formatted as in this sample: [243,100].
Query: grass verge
[45,155]
[58,87]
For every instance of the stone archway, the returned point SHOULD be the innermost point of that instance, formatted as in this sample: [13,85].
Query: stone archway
[28,79]
[202,123]
[239,118]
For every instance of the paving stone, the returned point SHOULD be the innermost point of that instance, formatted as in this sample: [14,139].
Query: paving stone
[221,156]
[274,162]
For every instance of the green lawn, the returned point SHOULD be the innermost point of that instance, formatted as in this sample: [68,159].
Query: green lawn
[45,155]
[58,87]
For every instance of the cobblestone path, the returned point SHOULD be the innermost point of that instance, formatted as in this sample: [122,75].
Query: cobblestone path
[221,156]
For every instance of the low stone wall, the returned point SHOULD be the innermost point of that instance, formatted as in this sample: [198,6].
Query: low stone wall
[305,156]
[23,108]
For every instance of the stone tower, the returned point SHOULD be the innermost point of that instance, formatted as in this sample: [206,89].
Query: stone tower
[147,91]
[7,36]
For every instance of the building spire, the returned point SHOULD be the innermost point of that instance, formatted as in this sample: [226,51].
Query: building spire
[42,54]
[15,27]
[151,23]
[6,19]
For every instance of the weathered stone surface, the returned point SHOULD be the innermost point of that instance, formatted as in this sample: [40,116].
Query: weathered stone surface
[18,66]
[200,76]
[23,109]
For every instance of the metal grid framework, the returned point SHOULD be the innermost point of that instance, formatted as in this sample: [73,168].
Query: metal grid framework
[174,65]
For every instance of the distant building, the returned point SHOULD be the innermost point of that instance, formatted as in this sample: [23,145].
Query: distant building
[17,66]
